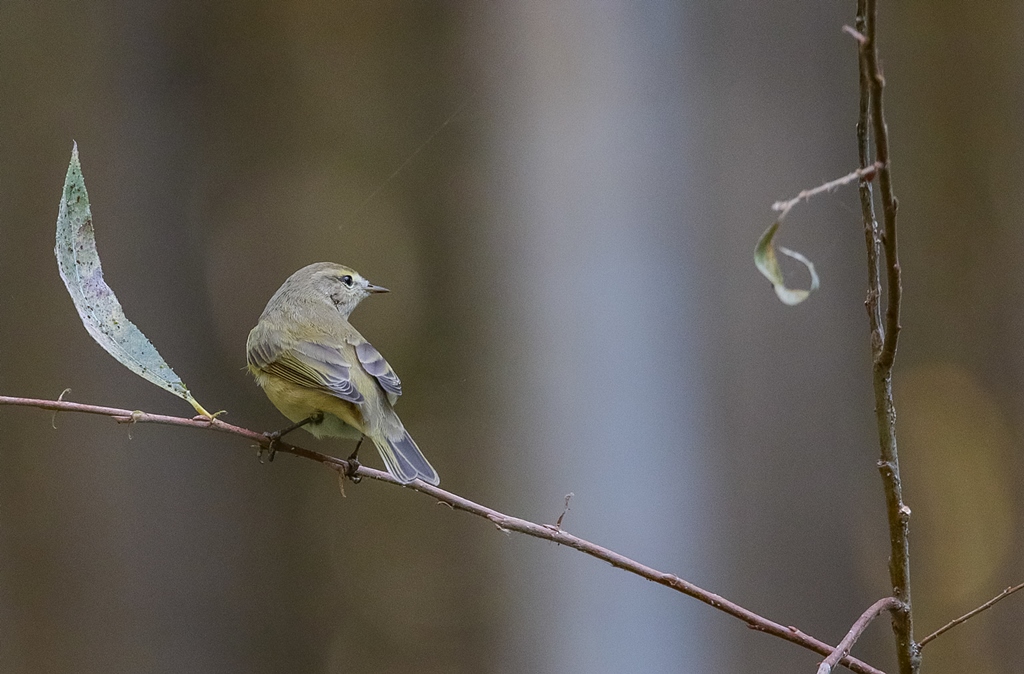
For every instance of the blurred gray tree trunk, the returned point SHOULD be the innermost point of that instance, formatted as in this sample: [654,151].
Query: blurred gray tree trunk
[591,245]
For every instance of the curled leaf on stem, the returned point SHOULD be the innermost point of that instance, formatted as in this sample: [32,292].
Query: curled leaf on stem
[767,261]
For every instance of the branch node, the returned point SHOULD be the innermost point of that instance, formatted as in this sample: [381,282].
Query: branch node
[137,416]
[499,523]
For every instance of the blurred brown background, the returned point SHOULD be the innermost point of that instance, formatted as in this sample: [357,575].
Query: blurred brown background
[574,309]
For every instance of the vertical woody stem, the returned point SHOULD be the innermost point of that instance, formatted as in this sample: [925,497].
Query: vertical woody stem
[884,340]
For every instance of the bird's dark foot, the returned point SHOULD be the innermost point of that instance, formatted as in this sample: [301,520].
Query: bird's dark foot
[277,435]
[351,470]
[355,452]
[271,448]
[353,464]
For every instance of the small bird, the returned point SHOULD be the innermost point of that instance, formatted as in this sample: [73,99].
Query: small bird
[323,375]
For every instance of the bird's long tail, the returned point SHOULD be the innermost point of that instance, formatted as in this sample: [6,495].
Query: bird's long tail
[404,459]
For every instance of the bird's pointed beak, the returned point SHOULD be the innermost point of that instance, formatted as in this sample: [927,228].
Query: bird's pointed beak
[376,289]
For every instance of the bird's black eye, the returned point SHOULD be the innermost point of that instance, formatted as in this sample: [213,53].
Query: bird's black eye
[347,280]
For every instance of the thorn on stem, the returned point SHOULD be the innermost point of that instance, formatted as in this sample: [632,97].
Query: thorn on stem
[60,398]
[558,523]
[856,35]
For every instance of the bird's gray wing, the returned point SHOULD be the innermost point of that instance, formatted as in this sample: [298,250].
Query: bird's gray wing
[378,368]
[308,364]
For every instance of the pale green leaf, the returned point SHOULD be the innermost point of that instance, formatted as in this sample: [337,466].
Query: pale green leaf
[101,313]
[768,264]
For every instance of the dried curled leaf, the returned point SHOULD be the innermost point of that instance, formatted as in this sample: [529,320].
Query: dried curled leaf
[101,313]
[768,264]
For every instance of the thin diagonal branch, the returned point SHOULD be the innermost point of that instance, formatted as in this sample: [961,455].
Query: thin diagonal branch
[548,532]
[865,619]
[884,342]
[970,614]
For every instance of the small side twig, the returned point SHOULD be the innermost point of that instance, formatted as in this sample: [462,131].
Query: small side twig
[863,173]
[865,619]
[970,614]
[500,520]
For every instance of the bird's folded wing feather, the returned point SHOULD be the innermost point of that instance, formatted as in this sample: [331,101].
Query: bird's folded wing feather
[307,364]
[378,368]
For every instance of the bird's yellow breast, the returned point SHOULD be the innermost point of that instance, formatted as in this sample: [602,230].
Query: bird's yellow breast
[341,418]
